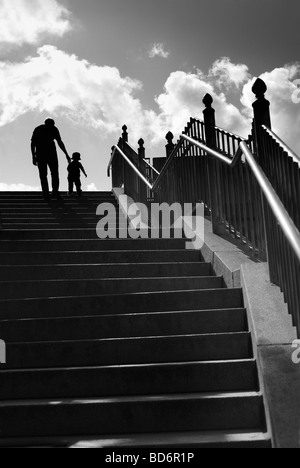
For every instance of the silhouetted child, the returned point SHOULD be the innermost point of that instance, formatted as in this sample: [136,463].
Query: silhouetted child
[74,169]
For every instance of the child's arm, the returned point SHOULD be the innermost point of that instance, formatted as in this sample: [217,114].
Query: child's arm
[82,169]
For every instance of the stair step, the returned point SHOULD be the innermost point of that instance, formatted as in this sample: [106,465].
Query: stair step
[122,304]
[95,382]
[117,342]
[122,326]
[91,257]
[172,440]
[118,270]
[88,243]
[123,351]
[127,415]
[88,287]
[36,194]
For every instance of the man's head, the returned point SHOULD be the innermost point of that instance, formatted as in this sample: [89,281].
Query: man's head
[50,122]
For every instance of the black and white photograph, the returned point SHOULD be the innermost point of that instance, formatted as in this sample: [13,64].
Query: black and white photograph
[149,227]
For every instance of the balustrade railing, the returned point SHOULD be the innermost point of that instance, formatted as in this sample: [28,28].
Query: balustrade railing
[251,188]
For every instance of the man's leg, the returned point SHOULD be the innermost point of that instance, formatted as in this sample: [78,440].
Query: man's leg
[53,164]
[43,170]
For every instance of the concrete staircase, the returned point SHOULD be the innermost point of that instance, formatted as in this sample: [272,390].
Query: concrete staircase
[117,343]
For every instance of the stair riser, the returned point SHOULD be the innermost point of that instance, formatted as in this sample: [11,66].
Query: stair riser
[93,257]
[131,417]
[42,272]
[122,304]
[129,381]
[88,241]
[67,288]
[141,325]
[128,351]
[63,233]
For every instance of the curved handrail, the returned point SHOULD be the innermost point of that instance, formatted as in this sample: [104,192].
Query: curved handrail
[287,224]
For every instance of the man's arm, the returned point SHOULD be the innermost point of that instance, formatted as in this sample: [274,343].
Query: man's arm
[63,148]
[61,144]
[33,152]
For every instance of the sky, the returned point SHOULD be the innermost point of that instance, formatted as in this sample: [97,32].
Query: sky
[95,65]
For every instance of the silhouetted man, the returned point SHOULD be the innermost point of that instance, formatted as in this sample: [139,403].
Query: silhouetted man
[44,155]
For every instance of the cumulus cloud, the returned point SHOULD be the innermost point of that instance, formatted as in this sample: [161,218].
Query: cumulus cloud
[101,98]
[159,50]
[228,74]
[58,83]
[17,188]
[27,21]
[92,187]
[182,98]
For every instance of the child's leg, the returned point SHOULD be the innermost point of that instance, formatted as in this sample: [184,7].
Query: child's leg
[78,186]
[70,185]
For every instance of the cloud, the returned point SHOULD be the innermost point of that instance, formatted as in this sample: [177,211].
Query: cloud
[225,73]
[92,187]
[28,21]
[17,188]
[62,84]
[159,50]
[99,98]
[182,99]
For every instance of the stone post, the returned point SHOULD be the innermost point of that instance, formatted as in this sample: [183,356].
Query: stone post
[261,108]
[170,146]
[210,135]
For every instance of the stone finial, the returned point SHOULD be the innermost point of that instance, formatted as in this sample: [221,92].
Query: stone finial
[208,100]
[169,137]
[125,133]
[141,143]
[259,88]
[261,108]
[170,146]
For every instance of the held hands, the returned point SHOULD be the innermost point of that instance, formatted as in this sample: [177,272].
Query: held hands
[34,161]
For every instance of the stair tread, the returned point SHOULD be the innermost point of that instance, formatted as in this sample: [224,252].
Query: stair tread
[134,399]
[131,366]
[176,440]
[136,338]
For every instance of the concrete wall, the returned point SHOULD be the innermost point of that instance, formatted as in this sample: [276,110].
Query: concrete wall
[272,333]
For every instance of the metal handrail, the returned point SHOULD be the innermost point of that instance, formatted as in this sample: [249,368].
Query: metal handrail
[151,167]
[166,166]
[282,144]
[135,169]
[111,160]
[287,224]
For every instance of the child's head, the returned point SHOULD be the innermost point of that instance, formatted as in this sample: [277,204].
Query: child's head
[76,157]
